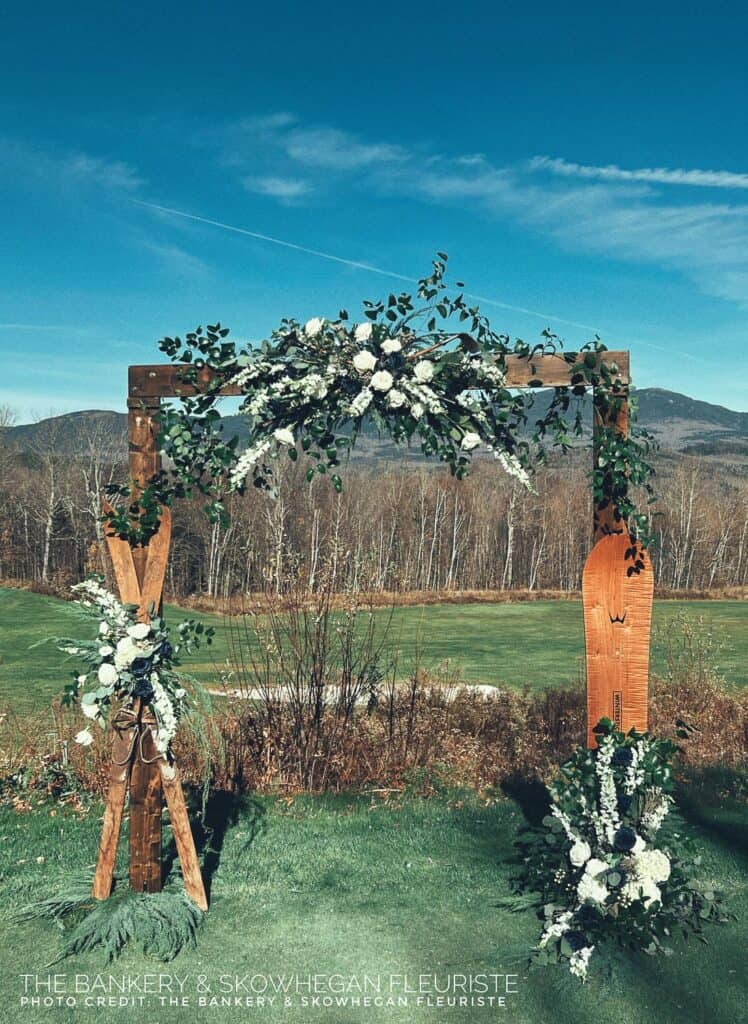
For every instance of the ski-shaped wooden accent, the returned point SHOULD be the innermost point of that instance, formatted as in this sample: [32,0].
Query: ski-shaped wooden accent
[617,595]
[136,764]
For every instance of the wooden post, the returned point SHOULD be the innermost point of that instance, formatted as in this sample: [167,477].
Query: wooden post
[617,593]
[145,778]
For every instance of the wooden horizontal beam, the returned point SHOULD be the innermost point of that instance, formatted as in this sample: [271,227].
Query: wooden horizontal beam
[165,380]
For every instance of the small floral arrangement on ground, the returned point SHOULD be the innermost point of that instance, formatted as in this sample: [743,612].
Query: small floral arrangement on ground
[129,660]
[611,863]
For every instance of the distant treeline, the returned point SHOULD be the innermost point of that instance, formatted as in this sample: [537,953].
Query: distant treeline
[395,527]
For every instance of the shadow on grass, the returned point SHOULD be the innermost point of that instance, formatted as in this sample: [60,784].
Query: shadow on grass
[222,812]
[714,800]
[530,795]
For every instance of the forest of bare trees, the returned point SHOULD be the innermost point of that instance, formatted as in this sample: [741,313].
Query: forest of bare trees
[397,526]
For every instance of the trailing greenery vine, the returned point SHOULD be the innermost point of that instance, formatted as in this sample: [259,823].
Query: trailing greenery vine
[429,368]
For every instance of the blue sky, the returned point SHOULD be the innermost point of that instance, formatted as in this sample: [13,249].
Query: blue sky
[586,169]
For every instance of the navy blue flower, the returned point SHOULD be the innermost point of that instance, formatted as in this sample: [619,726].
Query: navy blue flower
[623,757]
[624,839]
[167,651]
[624,802]
[577,940]
[141,667]
[587,915]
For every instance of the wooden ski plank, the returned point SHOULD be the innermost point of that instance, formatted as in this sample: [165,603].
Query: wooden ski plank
[155,567]
[124,566]
[617,606]
[180,824]
[123,728]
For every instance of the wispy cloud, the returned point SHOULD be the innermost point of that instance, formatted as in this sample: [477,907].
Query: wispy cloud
[68,168]
[337,150]
[287,189]
[652,175]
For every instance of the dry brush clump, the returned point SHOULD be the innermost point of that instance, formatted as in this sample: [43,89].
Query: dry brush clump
[316,703]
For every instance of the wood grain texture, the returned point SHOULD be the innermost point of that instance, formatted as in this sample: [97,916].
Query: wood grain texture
[155,567]
[123,742]
[123,564]
[617,606]
[145,810]
[180,824]
[147,383]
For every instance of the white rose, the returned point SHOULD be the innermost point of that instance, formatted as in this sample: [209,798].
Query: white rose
[424,371]
[106,651]
[283,436]
[363,333]
[90,710]
[580,853]
[382,381]
[395,399]
[84,737]
[104,629]
[127,649]
[313,327]
[390,346]
[107,674]
[364,361]
[470,441]
[139,631]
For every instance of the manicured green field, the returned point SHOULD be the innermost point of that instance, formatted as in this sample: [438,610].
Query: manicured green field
[537,644]
[354,887]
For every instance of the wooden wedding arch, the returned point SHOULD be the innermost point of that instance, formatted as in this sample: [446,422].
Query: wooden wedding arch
[617,605]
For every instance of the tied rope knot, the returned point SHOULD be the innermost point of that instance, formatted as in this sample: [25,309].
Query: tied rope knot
[135,732]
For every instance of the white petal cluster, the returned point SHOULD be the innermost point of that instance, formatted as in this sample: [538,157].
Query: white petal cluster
[391,345]
[606,821]
[513,467]
[592,887]
[364,361]
[579,962]
[559,927]
[248,460]
[580,853]
[84,737]
[363,333]
[284,436]
[314,327]
[382,380]
[423,371]
[470,441]
[360,403]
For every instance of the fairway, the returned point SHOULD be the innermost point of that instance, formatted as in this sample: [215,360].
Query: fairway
[536,644]
[353,886]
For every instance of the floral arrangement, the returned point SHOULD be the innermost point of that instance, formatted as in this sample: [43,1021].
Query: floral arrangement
[605,866]
[430,369]
[129,660]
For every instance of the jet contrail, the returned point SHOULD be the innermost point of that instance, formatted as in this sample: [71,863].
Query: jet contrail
[356,264]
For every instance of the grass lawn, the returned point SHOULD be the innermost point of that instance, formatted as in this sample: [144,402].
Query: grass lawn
[353,886]
[539,644]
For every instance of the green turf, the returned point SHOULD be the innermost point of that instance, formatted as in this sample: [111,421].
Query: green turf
[539,644]
[351,886]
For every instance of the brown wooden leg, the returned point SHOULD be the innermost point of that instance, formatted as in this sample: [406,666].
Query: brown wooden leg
[123,744]
[145,812]
[180,823]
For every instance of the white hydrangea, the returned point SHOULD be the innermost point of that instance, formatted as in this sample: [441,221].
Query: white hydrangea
[363,333]
[654,864]
[591,887]
[313,386]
